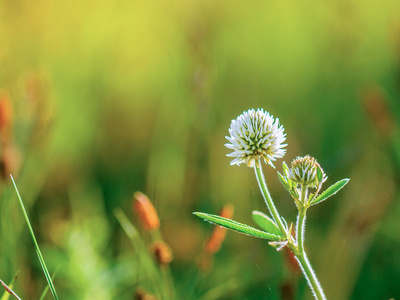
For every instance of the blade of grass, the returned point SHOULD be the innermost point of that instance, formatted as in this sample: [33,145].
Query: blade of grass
[44,293]
[140,248]
[10,291]
[6,295]
[39,254]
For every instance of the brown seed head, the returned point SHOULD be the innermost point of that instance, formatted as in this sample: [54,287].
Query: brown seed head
[162,253]
[146,212]
[217,237]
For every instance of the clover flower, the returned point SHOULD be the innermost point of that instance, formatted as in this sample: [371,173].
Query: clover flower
[256,134]
[304,171]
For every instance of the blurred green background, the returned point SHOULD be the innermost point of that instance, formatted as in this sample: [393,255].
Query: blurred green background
[111,97]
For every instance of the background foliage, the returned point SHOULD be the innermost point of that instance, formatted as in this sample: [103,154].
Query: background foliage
[112,97]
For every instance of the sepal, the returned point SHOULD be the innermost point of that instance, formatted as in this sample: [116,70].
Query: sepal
[278,245]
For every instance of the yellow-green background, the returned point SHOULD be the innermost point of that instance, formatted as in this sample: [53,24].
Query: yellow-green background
[111,97]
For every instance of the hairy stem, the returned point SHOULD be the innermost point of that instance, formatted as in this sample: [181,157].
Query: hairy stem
[267,197]
[301,220]
[309,274]
[301,255]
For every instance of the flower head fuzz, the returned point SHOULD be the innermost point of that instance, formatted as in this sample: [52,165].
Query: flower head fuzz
[306,171]
[256,134]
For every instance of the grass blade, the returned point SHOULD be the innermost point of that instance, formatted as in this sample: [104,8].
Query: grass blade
[39,254]
[44,293]
[6,294]
[9,291]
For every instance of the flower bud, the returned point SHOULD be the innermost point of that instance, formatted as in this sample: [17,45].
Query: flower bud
[162,253]
[146,212]
[6,118]
[306,171]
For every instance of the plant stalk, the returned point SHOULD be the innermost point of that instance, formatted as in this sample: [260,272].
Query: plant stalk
[309,274]
[301,255]
[267,197]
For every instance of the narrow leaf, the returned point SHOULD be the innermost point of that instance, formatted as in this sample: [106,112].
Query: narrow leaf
[6,295]
[46,289]
[266,223]
[285,169]
[330,191]
[9,291]
[320,174]
[284,182]
[39,254]
[239,227]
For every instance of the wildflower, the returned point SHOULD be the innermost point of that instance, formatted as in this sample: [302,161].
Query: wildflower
[304,171]
[256,134]
[146,212]
[162,253]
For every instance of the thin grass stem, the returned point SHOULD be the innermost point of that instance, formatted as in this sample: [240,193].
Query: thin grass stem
[44,293]
[38,252]
[9,290]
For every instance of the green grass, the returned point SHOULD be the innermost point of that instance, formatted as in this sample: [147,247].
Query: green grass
[38,252]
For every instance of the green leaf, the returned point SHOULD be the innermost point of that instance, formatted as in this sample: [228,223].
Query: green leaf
[320,174]
[266,223]
[285,169]
[239,227]
[330,191]
[284,182]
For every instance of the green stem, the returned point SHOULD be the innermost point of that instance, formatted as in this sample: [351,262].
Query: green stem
[301,220]
[267,197]
[301,255]
[39,254]
[310,276]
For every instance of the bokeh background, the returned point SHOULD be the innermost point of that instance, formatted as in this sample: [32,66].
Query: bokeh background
[100,99]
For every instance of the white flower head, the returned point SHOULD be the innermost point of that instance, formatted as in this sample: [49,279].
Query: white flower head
[256,134]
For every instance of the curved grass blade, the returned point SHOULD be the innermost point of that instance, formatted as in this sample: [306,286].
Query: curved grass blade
[330,191]
[266,223]
[236,226]
[39,254]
